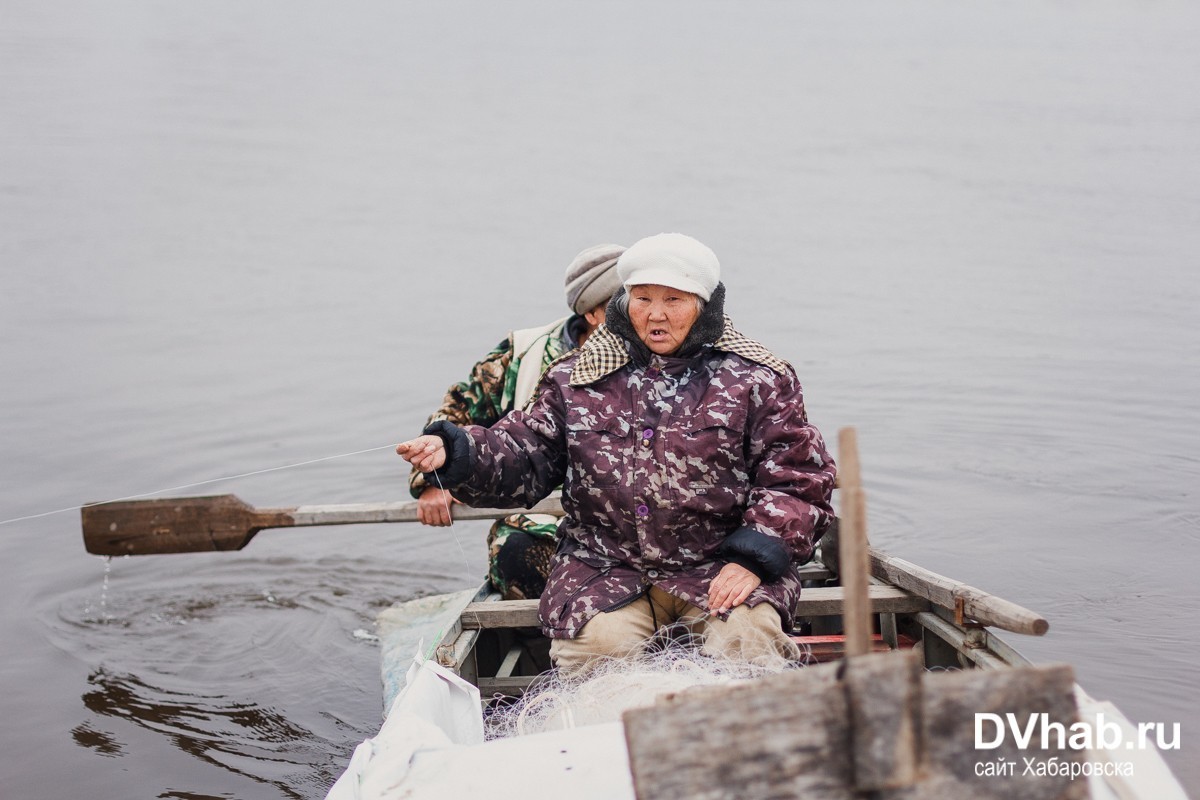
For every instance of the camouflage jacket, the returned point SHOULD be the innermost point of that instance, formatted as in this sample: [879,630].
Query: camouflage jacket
[663,466]
[488,393]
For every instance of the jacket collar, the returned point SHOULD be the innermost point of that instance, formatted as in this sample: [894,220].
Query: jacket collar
[705,330]
[605,352]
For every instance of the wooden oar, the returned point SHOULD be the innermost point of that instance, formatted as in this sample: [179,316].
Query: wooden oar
[964,600]
[223,522]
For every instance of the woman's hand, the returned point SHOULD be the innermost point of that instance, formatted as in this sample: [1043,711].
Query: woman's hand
[730,588]
[433,506]
[426,453]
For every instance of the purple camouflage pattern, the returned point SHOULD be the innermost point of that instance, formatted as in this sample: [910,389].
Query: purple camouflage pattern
[658,465]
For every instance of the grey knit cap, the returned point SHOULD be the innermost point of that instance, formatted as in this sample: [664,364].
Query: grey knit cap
[592,277]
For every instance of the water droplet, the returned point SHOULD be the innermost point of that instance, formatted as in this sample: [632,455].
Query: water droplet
[104,615]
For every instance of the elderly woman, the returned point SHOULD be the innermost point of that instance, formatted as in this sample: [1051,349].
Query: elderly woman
[692,481]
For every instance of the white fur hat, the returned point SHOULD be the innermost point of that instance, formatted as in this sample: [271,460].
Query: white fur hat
[671,259]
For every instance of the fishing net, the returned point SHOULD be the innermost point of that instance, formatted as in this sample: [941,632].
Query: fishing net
[613,685]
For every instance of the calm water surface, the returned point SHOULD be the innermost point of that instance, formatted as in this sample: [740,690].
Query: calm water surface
[236,236]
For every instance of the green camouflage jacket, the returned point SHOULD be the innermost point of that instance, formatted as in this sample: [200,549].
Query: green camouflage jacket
[490,391]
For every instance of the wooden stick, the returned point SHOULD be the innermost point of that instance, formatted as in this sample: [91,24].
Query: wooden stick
[942,591]
[223,522]
[852,542]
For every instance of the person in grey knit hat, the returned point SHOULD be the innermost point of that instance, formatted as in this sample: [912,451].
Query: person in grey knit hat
[520,547]
[592,277]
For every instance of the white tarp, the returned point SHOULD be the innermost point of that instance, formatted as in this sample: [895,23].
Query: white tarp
[414,626]
[1151,778]
[436,709]
[431,746]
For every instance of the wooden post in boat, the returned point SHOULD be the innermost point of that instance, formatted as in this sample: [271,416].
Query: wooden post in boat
[883,694]
[852,546]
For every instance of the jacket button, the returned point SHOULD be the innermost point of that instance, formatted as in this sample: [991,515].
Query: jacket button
[648,433]
[643,510]
[652,573]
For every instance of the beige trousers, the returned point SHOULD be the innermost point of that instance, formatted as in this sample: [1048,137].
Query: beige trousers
[749,634]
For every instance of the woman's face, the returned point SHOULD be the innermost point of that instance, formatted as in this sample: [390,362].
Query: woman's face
[662,316]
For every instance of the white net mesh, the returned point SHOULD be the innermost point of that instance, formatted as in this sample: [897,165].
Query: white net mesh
[611,686]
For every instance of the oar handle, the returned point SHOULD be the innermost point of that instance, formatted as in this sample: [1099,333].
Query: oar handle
[358,513]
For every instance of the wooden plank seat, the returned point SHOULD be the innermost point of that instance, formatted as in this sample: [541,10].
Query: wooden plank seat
[817,602]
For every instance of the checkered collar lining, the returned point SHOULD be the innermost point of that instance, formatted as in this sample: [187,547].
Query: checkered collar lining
[604,353]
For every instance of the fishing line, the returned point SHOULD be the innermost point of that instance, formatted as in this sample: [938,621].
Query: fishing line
[461,550]
[198,483]
[441,635]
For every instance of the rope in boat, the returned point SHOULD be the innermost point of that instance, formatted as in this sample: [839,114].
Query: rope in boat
[197,483]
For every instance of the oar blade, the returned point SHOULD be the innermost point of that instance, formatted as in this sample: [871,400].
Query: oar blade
[175,525]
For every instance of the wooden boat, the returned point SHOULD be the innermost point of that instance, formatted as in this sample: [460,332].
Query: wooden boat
[492,645]
[906,668]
